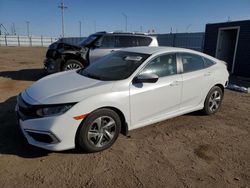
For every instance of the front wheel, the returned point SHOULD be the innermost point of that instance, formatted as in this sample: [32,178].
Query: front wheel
[213,100]
[99,130]
[71,65]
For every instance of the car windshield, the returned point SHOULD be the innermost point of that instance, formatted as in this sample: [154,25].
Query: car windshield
[115,66]
[88,40]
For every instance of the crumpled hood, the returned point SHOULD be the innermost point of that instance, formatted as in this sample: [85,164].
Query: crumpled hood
[67,46]
[65,87]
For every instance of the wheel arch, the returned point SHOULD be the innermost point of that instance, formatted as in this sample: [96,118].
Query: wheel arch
[220,86]
[124,127]
[69,56]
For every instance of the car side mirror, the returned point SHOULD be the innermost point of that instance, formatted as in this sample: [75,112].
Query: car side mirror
[146,78]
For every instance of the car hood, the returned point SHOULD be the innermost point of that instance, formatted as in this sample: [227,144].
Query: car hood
[66,46]
[65,87]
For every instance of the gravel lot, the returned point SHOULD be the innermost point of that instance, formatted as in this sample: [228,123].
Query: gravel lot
[188,151]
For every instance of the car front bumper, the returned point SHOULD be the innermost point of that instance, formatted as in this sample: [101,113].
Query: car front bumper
[55,133]
[51,65]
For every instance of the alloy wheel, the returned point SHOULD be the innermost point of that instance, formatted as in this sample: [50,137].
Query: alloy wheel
[102,131]
[72,66]
[214,101]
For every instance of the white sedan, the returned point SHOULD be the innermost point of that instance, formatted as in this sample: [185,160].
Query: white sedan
[125,90]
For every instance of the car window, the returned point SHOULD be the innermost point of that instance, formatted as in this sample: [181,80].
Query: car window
[107,42]
[208,62]
[164,65]
[125,41]
[191,62]
[143,41]
[90,39]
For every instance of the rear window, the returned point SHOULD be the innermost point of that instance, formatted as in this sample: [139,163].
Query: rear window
[144,41]
[208,63]
[191,62]
[125,41]
[131,41]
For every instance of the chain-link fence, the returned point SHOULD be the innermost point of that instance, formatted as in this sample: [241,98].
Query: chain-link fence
[8,40]
[193,41]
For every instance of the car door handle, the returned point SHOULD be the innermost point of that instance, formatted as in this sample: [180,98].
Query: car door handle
[174,83]
[207,74]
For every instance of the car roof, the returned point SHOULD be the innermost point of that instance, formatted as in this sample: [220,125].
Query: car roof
[150,50]
[153,49]
[132,34]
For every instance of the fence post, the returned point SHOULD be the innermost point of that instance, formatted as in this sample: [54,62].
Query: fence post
[42,40]
[18,40]
[203,42]
[174,38]
[6,44]
[30,41]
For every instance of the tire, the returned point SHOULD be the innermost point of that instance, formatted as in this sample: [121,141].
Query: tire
[213,101]
[72,64]
[94,135]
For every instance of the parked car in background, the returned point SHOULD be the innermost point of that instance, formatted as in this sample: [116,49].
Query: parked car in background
[125,90]
[62,56]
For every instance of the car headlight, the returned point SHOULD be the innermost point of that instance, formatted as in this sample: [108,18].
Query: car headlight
[53,110]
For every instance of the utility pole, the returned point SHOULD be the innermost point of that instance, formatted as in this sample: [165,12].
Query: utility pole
[188,27]
[126,21]
[95,26]
[62,7]
[13,30]
[80,28]
[28,28]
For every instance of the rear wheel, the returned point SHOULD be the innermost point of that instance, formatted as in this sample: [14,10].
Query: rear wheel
[213,100]
[71,65]
[99,131]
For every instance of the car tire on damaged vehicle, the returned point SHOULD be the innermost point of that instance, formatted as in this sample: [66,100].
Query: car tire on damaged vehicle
[72,64]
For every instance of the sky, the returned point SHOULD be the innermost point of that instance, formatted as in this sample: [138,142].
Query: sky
[44,16]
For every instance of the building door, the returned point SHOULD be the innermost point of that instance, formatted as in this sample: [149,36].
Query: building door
[227,46]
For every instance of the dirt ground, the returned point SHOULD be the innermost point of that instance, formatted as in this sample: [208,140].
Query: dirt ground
[188,151]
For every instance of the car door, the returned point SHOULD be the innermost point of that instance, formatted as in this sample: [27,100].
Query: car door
[150,102]
[104,46]
[196,80]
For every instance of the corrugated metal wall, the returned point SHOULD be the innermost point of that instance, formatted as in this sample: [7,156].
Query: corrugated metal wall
[194,41]
[242,59]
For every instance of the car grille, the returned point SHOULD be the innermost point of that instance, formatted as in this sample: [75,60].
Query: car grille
[51,53]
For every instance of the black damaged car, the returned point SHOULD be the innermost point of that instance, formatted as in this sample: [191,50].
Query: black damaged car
[62,56]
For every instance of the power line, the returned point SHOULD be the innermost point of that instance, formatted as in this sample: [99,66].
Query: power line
[62,7]
[4,30]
